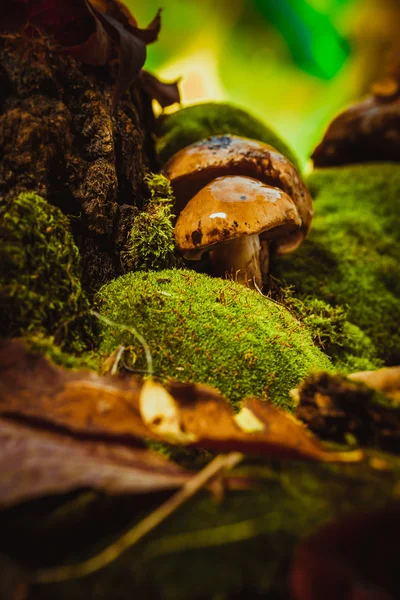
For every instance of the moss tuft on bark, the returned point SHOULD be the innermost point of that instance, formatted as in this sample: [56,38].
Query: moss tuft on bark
[151,242]
[40,287]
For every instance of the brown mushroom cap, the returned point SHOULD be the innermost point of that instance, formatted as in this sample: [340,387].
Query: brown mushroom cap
[195,166]
[231,207]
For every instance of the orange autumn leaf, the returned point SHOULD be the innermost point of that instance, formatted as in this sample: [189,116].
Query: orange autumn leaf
[81,402]
[114,407]
[259,428]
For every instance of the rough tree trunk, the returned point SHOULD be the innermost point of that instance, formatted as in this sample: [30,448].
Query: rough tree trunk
[60,138]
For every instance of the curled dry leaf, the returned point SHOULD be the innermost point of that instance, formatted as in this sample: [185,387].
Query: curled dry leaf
[367,131]
[90,31]
[259,428]
[88,404]
[165,93]
[80,402]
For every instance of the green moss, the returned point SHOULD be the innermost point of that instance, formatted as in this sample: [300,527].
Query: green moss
[46,345]
[40,289]
[349,348]
[351,257]
[211,331]
[200,121]
[151,242]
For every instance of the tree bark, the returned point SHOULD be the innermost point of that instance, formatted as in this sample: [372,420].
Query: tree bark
[60,138]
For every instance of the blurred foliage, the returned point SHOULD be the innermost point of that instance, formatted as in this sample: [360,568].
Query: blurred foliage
[294,63]
[238,547]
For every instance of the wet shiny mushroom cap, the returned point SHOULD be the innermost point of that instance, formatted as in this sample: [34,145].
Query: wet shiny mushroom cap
[195,166]
[232,207]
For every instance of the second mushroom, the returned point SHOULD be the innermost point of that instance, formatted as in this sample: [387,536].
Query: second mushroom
[238,200]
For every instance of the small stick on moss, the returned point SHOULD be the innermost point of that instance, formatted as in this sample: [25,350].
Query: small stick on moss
[135,333]
[141,371]
[117,359]
[134,535]
[274,301]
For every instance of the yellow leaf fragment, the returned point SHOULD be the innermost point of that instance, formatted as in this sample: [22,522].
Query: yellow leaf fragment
[161,414]
[247,421]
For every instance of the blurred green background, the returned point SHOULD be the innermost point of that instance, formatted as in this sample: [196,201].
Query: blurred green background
[292,63]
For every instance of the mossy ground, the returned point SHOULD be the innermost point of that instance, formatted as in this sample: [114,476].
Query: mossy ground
[349,348]
[197,122]
[206,330]
[351,257]
[40,288]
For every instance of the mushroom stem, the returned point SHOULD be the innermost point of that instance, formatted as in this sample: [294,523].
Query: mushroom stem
[240,258]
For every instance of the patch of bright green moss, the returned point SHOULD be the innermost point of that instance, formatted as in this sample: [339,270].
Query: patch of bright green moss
[197,122]
[151,243]
[206,330]
[351,257]
[349,348]
[40,288]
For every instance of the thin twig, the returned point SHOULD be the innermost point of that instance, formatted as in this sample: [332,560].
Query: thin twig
[118,356]
[134,535]
[135,333]
[273,300]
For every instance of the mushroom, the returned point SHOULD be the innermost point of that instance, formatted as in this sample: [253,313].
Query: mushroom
[235,218]
[261,167]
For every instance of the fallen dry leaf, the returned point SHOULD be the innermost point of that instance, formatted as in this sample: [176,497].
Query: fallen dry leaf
[35,462]
[81,402]
[90,31]
[263,430]
[114,407]
[365,132]
[165,93]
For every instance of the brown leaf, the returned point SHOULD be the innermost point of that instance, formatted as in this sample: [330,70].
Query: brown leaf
[150,33]
[132,53]
[165,93]
[89,31]
[367,131]
[126,409]
[81,402]
[35,462]
[96,48]
[259,428]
